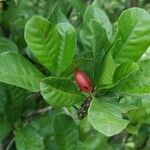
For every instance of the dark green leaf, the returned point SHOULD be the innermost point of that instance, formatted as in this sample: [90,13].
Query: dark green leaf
[27,138]
[66,132]
[57,16]
[4,127]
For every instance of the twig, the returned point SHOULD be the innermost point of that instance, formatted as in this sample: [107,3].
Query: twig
[10,144]
[39,111]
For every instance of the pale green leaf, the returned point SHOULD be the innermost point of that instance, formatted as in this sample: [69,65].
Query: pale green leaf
[99,48]
[59,91]
[124,70]
[133,37]
[16,70]
[138,82]
[27,138]
[106,118]
[66,132]
[107,70]
[95,13]
[7,45]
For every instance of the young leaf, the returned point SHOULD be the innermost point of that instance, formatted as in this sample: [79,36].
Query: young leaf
[59,91]
[107,70]
[94,13]
[99,48]
[7,45]
[57,16]
[76,63]
[53,47]
[138,82]
[16,70]
[66,132]
[27,138]
[106,118]
[124,70]
[133,36]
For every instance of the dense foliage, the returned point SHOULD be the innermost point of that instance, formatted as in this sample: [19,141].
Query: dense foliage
[74,75]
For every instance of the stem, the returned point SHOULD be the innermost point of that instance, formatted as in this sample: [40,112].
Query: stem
[75,107]
[10,144]
[40,111]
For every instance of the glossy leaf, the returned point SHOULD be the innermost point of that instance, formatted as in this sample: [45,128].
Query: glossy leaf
[106,118]
[7,45]
[66,132]
[99,48]
[16,70]
[27,138]
[59,91]
[133,37]
[107,70]
[138,82]
[95,13]
[124,70]
[53,47]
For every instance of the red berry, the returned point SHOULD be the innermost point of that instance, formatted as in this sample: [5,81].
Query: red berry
[83,81]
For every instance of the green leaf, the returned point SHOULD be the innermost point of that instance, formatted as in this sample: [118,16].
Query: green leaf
[95,13]
[16,70]
[78,4]
[107,70]
[7,45]
[133,36]
[137,83]
[57,16]
[124,70]
[53,47]
[106,118]
[27,138]
[76,63]
[99,47]
[59,91]
[3,97]
[4,127]
[67,46]
[66,132]
[16,103]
